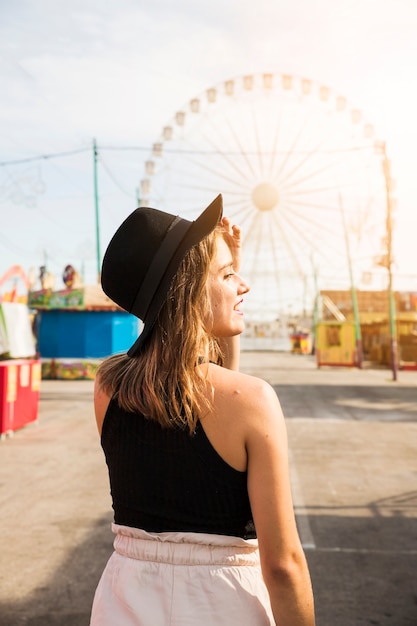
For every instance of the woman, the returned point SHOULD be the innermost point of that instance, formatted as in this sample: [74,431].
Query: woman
[196,451]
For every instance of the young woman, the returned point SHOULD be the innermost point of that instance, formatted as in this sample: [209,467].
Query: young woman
[196,451]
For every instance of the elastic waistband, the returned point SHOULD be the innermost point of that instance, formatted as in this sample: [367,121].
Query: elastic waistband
[185,548]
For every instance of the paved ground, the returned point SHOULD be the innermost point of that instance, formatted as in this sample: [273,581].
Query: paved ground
[353,441]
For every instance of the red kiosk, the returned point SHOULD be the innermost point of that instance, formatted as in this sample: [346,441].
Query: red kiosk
[20,370]
[19,393]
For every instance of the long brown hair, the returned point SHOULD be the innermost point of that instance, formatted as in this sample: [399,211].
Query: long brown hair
[164,381]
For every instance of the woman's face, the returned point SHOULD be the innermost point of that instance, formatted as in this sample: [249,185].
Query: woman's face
[226,289]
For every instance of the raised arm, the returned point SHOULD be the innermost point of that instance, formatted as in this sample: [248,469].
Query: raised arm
[283,562]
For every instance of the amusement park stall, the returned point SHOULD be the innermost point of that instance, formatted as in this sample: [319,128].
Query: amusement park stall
[335,332]
[20,370]
[335,344]
[77,328]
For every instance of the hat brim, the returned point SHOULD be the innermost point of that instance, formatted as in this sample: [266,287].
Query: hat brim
[198,229]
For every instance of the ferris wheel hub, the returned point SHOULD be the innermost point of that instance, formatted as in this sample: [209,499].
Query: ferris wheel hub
[265,196]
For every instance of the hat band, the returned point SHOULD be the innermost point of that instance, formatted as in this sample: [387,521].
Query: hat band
[158,266]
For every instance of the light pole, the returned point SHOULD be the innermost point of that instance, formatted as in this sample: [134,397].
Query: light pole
[392,312]
[358,334]
[315,307]
[97,211]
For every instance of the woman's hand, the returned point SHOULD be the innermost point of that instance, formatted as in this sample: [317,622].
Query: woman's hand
[233,240]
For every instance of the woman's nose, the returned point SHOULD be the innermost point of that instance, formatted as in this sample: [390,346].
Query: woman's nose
[243,286]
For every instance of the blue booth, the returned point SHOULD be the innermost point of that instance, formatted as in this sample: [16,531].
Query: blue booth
[77,328]
[85,334]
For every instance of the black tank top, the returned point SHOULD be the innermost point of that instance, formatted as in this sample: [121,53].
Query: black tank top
[168,480]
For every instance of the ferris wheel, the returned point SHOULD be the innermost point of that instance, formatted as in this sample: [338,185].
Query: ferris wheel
[300,171]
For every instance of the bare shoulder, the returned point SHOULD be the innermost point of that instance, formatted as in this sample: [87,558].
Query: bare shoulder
[244,387]
[245,410]
[101,402]
[249,395]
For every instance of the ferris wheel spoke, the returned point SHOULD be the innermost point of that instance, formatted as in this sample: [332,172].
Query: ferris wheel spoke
[275,143]
[334,228]
[218,173]
[242,216]
[254,236]
[217,150]
[242,151]
[291,150]
[236,197]
[310,205]
[295,236]
[258,143]
[236,143]
[243,213]
[240,209]
[312,242]
[310,219]
[276,261]
[317,150]
[311,175]
[311,191]
[214,189]
[271,244]
[289,245]
[226,156]
[310,154]
[252,227]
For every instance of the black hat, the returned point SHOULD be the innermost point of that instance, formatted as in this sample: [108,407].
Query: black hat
[143,256]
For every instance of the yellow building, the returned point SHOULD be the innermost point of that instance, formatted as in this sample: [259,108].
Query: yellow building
[335,332]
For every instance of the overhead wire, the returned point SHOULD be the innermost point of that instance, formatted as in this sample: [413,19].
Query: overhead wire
[55,155]
[41,157]
[113,178]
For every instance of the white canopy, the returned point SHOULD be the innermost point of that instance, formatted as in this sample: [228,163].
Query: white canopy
[16,336]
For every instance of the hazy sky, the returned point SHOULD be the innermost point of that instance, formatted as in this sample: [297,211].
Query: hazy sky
[118,71]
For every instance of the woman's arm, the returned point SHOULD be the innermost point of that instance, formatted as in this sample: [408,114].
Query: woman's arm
[283,562]
[101,402]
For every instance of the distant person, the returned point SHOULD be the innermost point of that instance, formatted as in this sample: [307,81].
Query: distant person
[196,451]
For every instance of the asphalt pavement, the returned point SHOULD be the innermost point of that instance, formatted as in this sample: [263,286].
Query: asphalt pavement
[353,454]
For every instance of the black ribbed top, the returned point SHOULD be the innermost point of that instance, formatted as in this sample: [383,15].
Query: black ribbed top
[168,480]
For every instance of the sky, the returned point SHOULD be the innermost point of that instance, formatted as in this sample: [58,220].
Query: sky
[72,72]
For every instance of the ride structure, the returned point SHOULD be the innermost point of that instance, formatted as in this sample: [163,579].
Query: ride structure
[285,152]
